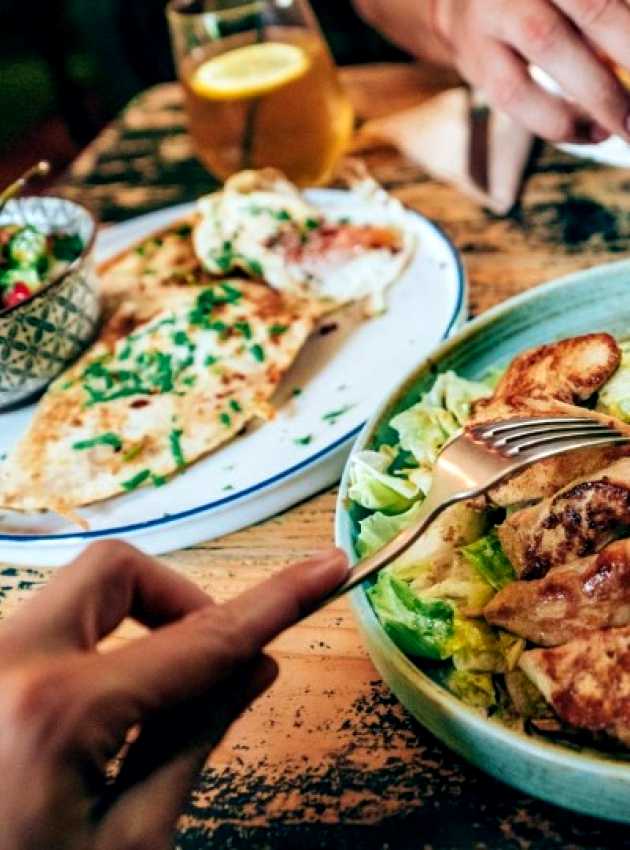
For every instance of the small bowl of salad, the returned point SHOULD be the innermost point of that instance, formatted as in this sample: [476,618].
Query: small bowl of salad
[49,292]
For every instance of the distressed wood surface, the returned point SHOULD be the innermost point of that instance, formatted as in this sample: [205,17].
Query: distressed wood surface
[328,759]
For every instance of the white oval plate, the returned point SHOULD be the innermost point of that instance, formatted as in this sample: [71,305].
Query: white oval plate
[265,471]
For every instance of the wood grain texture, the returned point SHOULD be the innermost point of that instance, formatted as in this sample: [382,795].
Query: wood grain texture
[328,759]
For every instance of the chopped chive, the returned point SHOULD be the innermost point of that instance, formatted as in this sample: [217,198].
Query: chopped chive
[137,480]
[312,223]
[303,441]
[296,391]
[282,215]
[181,338]
[158,480]
[236,407]
[107,439]
[258,352]
[210,360]
[140,249]
[133,452]
[255,267]
[225,419]
[334,415]
[244,328]
[176,447]
[277,330]
[228,487]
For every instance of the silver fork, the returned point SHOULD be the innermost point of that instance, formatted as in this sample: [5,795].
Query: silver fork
[479,458]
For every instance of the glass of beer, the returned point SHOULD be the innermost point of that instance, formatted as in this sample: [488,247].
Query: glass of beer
[261,87]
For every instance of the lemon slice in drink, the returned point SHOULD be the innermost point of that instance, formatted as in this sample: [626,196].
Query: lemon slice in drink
[249,71]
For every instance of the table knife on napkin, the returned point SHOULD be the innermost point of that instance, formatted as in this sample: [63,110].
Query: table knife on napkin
[457,138]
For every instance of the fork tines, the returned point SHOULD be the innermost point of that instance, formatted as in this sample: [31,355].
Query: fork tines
[517,436]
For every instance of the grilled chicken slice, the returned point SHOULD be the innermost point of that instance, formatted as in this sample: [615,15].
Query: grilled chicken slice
[587,681]
[578,521]
[589,594]
[546,381]
[570,371]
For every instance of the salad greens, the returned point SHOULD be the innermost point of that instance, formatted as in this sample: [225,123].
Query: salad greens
[430,600]
[490,561]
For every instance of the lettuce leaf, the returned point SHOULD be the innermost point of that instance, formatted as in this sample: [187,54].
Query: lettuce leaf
[426,426]
[614,397]
[480,648]
[419,627]
[475,689]
[454,581]
[373,488]
[378,529]
[487,556]
[455,527]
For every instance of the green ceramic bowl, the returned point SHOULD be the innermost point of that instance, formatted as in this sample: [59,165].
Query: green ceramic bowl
[40,337]
[588,782]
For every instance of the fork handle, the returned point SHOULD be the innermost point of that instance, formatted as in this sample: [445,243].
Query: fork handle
[432,507]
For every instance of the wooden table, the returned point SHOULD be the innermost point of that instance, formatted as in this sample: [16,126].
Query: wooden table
[328,759]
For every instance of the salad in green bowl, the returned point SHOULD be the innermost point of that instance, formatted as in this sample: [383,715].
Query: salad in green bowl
[518,605]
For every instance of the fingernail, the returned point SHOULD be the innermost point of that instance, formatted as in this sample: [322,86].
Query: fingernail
[598,134]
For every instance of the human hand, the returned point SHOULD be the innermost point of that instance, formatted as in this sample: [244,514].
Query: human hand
[493,41]
[66,710]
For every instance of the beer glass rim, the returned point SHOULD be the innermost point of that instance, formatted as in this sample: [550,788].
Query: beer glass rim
[177,9]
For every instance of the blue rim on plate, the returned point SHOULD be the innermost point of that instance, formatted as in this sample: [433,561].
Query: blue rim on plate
[456,317]
[587,781]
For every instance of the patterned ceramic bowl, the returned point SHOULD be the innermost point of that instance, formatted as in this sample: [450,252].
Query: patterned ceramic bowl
[40,337]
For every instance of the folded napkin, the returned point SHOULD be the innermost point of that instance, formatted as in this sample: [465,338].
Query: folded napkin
[457,139]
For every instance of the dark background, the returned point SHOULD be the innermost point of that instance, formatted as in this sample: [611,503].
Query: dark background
[67,67]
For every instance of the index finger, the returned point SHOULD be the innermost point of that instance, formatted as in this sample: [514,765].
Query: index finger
[182,661]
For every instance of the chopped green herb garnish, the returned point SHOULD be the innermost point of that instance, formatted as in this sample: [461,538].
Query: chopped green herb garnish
[228,487]
[137,480]
[258,352]
[278,330]
[303,441]
[210,360]
[125,354]
[107,439]
[282,215]
[140,249]
[244,328]
[255,267]
[296,391]
[225,419]
[333,415]
[176,448]
[182,338]
[312,223]
[158,480]
[236,407]
[224,260]
[208,299]
[189,380]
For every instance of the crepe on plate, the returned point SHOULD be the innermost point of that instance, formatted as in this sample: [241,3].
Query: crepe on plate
[160,388]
